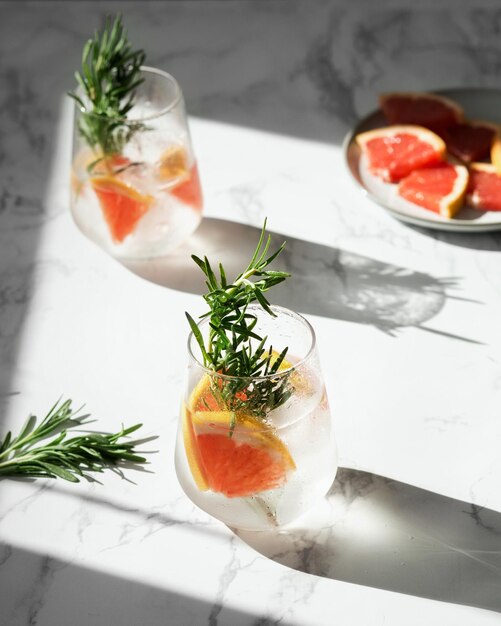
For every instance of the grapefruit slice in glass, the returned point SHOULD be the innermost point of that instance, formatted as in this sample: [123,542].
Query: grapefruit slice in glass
[484,187]
[470,141]
[440,189]
[393,152]
[122,205]
[189,191]
[235,455]
[424,109]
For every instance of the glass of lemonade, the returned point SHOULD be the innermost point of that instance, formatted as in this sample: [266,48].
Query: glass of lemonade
[144,200]
[251,469]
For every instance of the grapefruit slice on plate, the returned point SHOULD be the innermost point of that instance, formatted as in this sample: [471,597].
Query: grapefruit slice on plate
[496,153]
[122,205]
[393,152]
[484,187]
[424,109]
[238,461]
[470,141]
[440,189]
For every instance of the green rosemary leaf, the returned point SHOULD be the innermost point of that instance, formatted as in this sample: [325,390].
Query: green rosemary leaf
[63,457]
[252,262]
[108,79]
[59,472]
[273,257]
[233,346]
[6,442]
[264,303]
[200,263]
[223,277]
[198,336]
[278,362]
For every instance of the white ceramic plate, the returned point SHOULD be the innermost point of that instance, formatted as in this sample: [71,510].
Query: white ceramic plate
[478,104]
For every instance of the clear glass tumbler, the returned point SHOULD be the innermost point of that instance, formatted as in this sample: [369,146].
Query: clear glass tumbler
[142,199]
[249,468]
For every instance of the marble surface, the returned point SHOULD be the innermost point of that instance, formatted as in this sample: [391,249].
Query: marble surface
[407,322]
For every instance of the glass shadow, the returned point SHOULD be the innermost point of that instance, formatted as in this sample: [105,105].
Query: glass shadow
[328,281]
[382,533]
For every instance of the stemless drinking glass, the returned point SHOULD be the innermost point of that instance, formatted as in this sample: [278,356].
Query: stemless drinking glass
[250,468]
[145,199]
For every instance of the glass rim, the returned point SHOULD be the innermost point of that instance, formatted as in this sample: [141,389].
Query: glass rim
[166,109]
[278,374]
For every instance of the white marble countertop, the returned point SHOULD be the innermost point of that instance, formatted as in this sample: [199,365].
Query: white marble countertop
[407,321]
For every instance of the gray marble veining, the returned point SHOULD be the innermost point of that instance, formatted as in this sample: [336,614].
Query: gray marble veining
[407,322]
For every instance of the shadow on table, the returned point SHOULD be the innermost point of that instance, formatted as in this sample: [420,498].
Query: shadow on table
[489,241]
[381,533]
[58,592]
[328,281]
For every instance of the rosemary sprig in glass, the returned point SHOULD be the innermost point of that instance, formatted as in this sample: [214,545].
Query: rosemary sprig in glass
[233,347]
[63,457]
[108,79]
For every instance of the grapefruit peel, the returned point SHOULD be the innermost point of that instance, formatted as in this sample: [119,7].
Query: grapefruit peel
[496,151]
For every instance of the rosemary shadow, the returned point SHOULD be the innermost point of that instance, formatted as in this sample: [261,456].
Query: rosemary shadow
[327,281]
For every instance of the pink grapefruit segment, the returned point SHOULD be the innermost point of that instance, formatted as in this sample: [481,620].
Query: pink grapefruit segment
[122,205]
[484,187]
[189,190]
[440,189]
[470,141]
[424,109]
[393,152]
[252,460]
[235,455]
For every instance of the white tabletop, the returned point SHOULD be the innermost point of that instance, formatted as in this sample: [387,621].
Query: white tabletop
[408,325]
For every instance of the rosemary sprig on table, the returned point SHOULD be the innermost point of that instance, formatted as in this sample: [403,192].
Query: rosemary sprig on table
[233,347]
[109,77]
[62,457]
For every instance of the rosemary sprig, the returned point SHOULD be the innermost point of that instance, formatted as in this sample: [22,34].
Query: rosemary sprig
[233,347]
[109,77]
[62,457]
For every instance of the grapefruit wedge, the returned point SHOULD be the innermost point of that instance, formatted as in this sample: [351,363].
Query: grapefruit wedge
[424,109]
[189,191]
[122,205]
[496,152]
[393,152]
[236,455]
[484,187]
[440,189]
[470,141]
[173,167]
